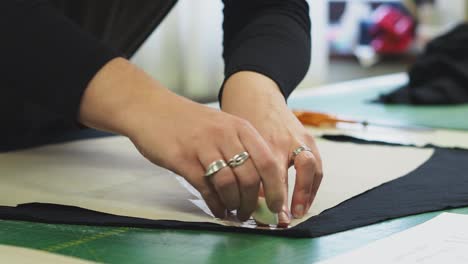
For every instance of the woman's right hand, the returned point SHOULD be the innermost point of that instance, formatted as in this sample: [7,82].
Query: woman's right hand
[185,137]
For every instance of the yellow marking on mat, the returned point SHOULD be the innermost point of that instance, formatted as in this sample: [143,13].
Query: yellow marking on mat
[77,242]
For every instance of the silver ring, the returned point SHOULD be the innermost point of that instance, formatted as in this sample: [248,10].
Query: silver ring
[238,159]
[300,149]
[214,167]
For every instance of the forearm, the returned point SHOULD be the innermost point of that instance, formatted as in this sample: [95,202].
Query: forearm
[121,98]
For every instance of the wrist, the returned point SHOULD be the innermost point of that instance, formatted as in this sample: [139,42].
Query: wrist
[248,88]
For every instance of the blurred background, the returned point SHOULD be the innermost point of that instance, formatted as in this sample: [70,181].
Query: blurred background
[350,39]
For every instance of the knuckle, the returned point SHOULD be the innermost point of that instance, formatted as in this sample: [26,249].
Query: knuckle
[243,124]
[309,138]
[207,128]
[282,141]
[268,163]
[216,129]
[306,160]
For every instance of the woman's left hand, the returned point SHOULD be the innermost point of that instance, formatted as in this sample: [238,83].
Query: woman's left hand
[257,99]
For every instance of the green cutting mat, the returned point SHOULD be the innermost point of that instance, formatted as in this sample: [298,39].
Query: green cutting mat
[357,105]
[136,245]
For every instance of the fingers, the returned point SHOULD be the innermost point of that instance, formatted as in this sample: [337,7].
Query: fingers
[318,175]
[223,181]
[206,189]
[317,180]
[237,188]
[284,218]
[266,165]
[248,180]
[306,166]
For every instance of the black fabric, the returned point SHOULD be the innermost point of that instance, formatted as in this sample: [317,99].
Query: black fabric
[440,183]
[346,138]
[439,76]
[52,49]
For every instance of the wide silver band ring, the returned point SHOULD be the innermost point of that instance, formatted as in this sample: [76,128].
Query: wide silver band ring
[238,159]
[299,150]
[214,167]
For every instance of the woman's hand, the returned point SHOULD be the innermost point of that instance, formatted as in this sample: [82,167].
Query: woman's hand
[186,138]
[256,98]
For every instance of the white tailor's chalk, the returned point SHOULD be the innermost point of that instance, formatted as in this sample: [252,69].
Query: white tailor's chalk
[263,215]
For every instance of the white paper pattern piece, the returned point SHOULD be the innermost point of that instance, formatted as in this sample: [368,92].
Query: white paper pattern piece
[444,239]
[20,255]
[110,176]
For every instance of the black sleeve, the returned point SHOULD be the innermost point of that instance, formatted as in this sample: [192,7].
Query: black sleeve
[271,37]
[46,59]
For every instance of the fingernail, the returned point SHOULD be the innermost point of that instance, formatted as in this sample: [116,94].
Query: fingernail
[299,211]
[283,217]
[284,220]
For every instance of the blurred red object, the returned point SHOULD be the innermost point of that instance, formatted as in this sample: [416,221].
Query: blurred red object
[392,31]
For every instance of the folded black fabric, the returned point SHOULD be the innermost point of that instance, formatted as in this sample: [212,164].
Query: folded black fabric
[440,183]
[439,75]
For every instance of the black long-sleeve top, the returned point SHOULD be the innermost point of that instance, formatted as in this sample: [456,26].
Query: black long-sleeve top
[52,49]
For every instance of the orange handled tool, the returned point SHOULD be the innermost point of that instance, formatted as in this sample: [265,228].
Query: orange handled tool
[320,119]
